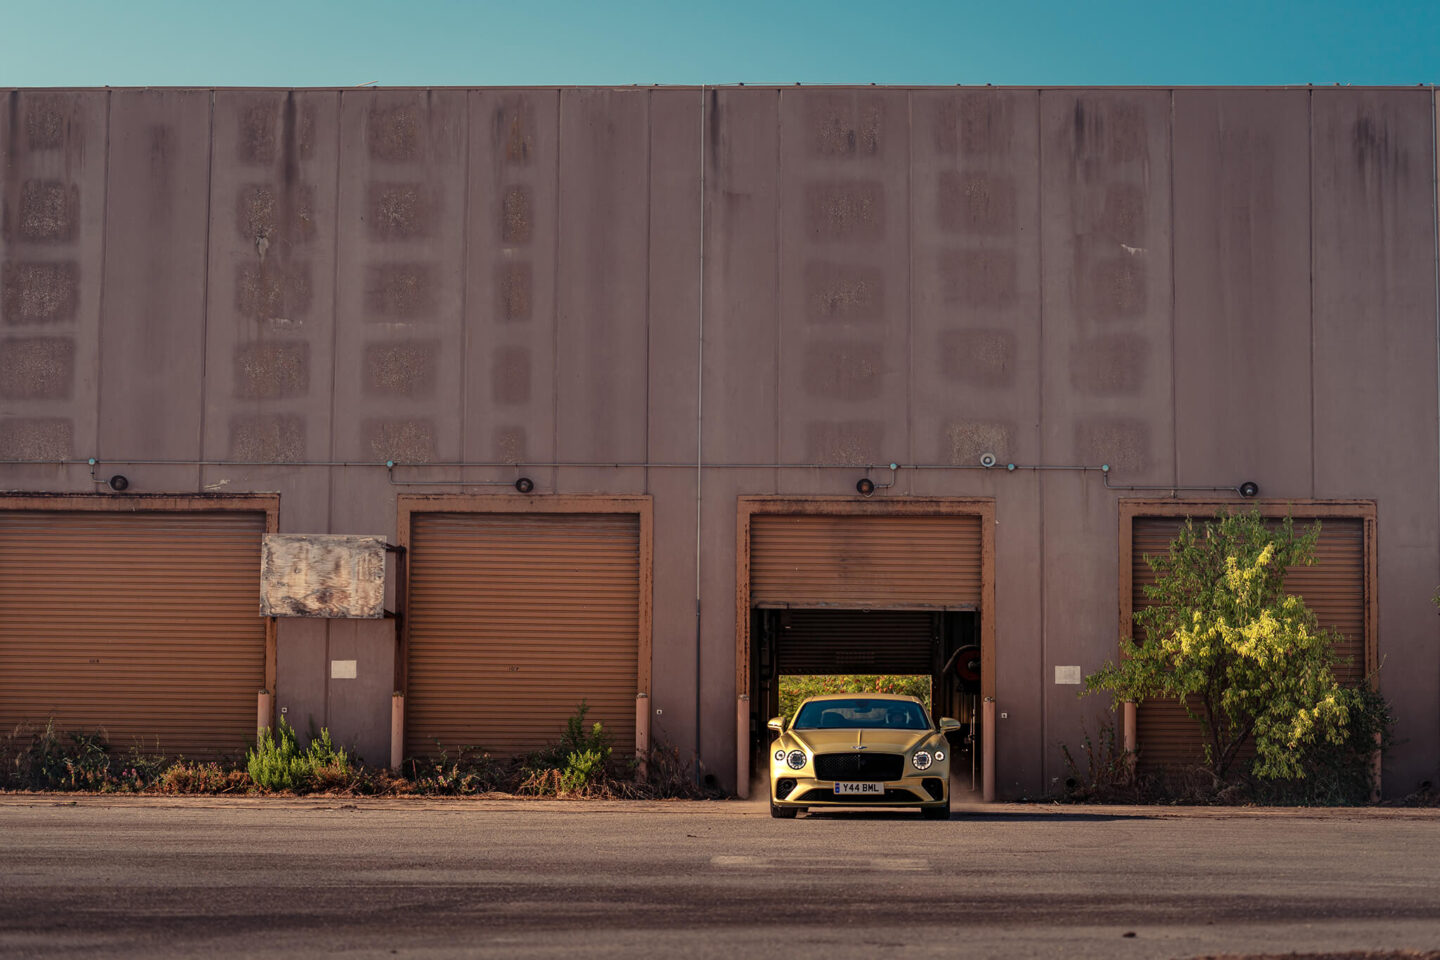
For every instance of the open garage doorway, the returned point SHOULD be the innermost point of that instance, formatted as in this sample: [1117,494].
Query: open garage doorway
[863,592]
[930,654]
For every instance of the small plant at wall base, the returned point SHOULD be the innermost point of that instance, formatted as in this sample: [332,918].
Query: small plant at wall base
[1249,662]
[577,765]
[278,763]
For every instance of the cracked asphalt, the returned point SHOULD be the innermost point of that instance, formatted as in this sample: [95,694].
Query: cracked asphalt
[251,877]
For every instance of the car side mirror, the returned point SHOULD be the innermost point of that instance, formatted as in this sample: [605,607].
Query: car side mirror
[949,723]
[777,723]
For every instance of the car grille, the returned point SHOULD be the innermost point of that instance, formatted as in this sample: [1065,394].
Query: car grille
[859,766]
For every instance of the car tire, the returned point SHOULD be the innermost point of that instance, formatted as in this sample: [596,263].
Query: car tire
[783,813]
[936,813]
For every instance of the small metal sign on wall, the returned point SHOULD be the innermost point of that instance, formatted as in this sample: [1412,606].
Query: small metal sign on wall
[322,575]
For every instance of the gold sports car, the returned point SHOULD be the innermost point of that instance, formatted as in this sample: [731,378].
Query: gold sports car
[871,749]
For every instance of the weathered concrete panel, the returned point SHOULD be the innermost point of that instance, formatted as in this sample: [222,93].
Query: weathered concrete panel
[153,323]
[402,220]
[843,380]
[510,284]
[976,382]
[1375,375]
[52,208]
[1105,239]
[603,250]
[674,384]
[1242,289]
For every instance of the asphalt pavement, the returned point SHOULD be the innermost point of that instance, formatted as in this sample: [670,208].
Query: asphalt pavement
[253,877]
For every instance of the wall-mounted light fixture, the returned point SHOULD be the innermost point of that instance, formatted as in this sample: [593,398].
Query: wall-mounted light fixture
[865,486]
[1248,489]
[119,483]
[524,484]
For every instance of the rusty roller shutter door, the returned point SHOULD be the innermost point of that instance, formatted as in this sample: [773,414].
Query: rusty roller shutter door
[854,641]
[514,620]
[860,562]
[1334,588]
[144,624]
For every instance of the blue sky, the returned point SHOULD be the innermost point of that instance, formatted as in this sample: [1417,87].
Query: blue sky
[447,42]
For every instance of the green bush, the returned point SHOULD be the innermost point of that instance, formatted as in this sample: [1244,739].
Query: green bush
[278,763]
[578,764]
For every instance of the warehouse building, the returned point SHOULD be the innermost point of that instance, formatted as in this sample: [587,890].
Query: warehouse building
[656,395]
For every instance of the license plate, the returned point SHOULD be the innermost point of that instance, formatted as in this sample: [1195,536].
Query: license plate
[877,789]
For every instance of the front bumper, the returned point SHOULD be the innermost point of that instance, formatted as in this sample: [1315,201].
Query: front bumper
[790,790]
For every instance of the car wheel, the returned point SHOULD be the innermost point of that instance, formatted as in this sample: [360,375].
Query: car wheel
[783,813]
[936,813]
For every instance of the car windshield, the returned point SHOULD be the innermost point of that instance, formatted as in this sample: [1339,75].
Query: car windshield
[869,714]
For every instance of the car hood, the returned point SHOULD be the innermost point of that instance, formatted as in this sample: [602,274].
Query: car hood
[845,740]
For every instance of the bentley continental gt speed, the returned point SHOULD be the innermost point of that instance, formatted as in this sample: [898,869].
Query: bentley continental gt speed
[860,749]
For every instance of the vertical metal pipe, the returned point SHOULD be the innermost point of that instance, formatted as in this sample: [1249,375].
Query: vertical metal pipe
[699,427]
[397,730]
[742,746]
[987,762]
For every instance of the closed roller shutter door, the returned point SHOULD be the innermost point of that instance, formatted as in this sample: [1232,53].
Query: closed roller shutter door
[1334,588]
[144,624]
[853,641]
[860,562]
[514,620]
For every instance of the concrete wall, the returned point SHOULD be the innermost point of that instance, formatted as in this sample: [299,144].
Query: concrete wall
[1197,286]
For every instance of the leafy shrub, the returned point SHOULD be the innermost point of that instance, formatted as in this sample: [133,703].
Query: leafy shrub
[278,763]
[48,759]
[1247,660]
[578,764]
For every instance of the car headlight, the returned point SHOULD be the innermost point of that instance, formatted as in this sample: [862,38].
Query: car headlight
[921,760]
[779,755]
[796,759]
[939,755]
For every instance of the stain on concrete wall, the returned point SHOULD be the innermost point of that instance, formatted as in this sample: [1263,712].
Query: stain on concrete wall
[36,438]
[400,291]
[855,442]
[267,438]
[272,370]
[37,368]
[401,369]
[404,441]
[39,292]
[979,357]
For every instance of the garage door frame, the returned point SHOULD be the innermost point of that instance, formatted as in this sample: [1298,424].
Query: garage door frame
[749,507]
[1302,510]
[266,503]
[639,505]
